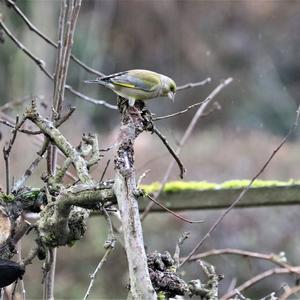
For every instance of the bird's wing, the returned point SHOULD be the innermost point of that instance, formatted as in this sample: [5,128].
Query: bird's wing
[136,79]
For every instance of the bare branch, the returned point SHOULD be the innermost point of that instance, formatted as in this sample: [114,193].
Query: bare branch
[11,125]
[65,117]
[273,258]
[289,292]
[181,240]
[126,193]
[7,150]
[258,278]
[173,153]
[105,169]
[50,275]
[98,268]
[60,141]
[12,104]
[33,28]
[41,64]
[19,251]
[193,84]
[109,245]
[244,191]
[215,107]
[172,212]
[58,123]
[20,183]
[186,135]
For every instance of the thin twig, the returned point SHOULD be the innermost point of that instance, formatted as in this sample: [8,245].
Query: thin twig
[139,182]
[258,278]
[49,270]
[244,191]
[193,84]
[273,295]
[7,150]
[110,240]
[65,117]
[47,39]
[289,292]
[58,123]
[105,169]
[186,135]
[19,249]
[173,153]
[67,24]
[275,259]
[108,245]
[12,104]
[25,131]
[181,240]
[187,109]
[93,276]
[172,212]
[20,183]
[41,64]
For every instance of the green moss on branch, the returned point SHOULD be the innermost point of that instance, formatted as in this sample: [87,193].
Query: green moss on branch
[177,186]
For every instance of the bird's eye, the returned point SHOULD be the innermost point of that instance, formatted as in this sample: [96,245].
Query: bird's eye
[172,88]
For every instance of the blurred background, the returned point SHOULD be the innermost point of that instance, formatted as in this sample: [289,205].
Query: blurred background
[255,42]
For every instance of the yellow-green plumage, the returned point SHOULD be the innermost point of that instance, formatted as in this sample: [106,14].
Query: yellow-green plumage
[138,85]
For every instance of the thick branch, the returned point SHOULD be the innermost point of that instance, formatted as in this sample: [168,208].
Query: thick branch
[61,142]
[125,190]
[61,223]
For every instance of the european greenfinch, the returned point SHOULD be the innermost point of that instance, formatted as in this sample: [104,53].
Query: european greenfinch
[138,85]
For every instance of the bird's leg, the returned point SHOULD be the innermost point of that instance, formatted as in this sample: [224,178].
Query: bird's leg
[137,108]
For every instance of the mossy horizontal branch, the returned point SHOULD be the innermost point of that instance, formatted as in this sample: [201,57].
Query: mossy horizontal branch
[204,195]
[177,186]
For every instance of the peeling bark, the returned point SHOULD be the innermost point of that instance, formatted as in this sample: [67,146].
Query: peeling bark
[125,190]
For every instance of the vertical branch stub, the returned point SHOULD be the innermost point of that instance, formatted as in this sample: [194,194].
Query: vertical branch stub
[132,124]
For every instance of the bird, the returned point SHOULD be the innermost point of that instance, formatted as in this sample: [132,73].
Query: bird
[138,84]
[10,271]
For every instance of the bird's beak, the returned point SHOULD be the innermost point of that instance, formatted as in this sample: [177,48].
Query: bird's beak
[171,96]
[91,81]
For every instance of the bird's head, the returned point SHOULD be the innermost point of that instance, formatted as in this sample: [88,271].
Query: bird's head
[168,87]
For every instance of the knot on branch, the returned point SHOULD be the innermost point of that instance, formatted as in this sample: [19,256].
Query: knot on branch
[55,229]
[163,276]
[209,289]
